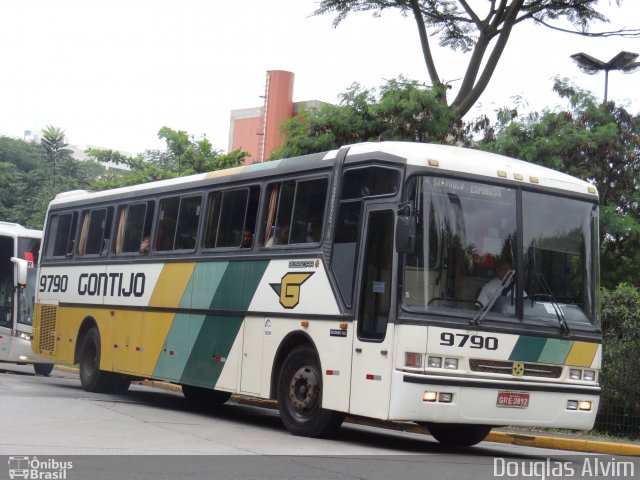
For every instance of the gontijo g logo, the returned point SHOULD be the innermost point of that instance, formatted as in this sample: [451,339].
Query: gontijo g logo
[289,288]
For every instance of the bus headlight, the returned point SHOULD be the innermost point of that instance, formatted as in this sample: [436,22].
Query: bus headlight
[575,374]
[451,363]
[589,375]
[24,336]
[434,362]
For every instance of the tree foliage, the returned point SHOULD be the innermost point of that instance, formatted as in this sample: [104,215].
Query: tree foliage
[483,29]
[599,143]
[620,377]
[400,109]
[184,155]
[32,173]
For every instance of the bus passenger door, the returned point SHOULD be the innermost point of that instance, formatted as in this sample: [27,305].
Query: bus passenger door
[6,295]
[372,347]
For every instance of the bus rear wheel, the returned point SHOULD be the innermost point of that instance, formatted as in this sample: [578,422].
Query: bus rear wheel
[300,396]
[458,435]
[204,397]
[92,378]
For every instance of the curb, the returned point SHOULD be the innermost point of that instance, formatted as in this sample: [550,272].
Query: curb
[497,436]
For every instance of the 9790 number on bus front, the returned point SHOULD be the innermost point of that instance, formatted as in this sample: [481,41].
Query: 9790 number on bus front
[449,339]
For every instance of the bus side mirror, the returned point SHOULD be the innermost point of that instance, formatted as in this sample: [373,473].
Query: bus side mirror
[406,233]
[20,280]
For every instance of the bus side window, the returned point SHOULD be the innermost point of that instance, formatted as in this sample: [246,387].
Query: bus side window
[133,226]
[295,212]
[178,224]
[357,184]
[95,231]
[62,233]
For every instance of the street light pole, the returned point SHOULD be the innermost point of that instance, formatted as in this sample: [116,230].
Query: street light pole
[623,61]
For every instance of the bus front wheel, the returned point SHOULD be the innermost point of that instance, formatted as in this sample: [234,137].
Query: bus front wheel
[300,396]
[457,435]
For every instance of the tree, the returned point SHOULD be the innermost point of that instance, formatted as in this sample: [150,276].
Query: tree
[599,143]
[55,147]
[29,180]
[484,31]
[185,155]
[401,109]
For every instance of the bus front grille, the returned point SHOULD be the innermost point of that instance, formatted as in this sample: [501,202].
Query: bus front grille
[506,368]
[47,333]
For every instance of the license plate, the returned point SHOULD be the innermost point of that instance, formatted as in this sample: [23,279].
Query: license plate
[513,399]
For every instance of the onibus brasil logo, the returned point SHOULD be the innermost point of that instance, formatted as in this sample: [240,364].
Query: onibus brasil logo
[289,288]
[34,469]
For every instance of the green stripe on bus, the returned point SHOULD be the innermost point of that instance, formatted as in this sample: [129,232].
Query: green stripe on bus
[555,351]
[528,349]
[235,291]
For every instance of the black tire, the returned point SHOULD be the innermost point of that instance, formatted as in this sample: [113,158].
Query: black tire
[43,369]
[458,435]
[92,378]
[300,396]
[204,397]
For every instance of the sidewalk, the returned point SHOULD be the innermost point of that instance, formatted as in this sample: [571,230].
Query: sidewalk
[499,435]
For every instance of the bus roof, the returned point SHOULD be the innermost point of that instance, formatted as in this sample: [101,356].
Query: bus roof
[442,158]
[14,229]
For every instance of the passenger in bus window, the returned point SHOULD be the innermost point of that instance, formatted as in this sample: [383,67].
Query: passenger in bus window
[144,245]
[247,239]
[281,236]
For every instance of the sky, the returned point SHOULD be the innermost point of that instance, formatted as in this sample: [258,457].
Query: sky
[111,73]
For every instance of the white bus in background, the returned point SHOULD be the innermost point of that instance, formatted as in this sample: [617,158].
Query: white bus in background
[19,250]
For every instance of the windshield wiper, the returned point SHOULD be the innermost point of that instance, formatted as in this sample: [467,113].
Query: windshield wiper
[506,281]
[564,326]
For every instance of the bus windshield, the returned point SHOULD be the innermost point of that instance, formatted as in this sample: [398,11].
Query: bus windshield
[466,253]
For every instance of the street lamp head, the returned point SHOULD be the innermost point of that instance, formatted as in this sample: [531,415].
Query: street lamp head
[632,67]
[621,60]
[587,63]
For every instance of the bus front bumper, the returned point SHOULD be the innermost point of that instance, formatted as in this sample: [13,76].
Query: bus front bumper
[448,399]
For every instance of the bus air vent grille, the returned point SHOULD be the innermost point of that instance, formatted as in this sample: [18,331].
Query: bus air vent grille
[47,336]
[505,368]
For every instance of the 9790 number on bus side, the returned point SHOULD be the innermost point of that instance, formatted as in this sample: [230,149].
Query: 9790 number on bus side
[449,339]
[54,283]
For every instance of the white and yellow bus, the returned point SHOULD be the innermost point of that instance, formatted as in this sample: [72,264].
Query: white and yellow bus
[19,250]
[397,281]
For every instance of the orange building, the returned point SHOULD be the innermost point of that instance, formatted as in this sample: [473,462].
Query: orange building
[257,130]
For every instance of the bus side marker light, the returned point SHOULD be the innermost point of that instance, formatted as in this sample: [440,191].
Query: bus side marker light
[434,163]
[218,358]
[533,179]
[502,174]
[343,326]
[518,176]
[373,377]
[413,360]
[591,190]
[333,372]
[429,396]
[304,324]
